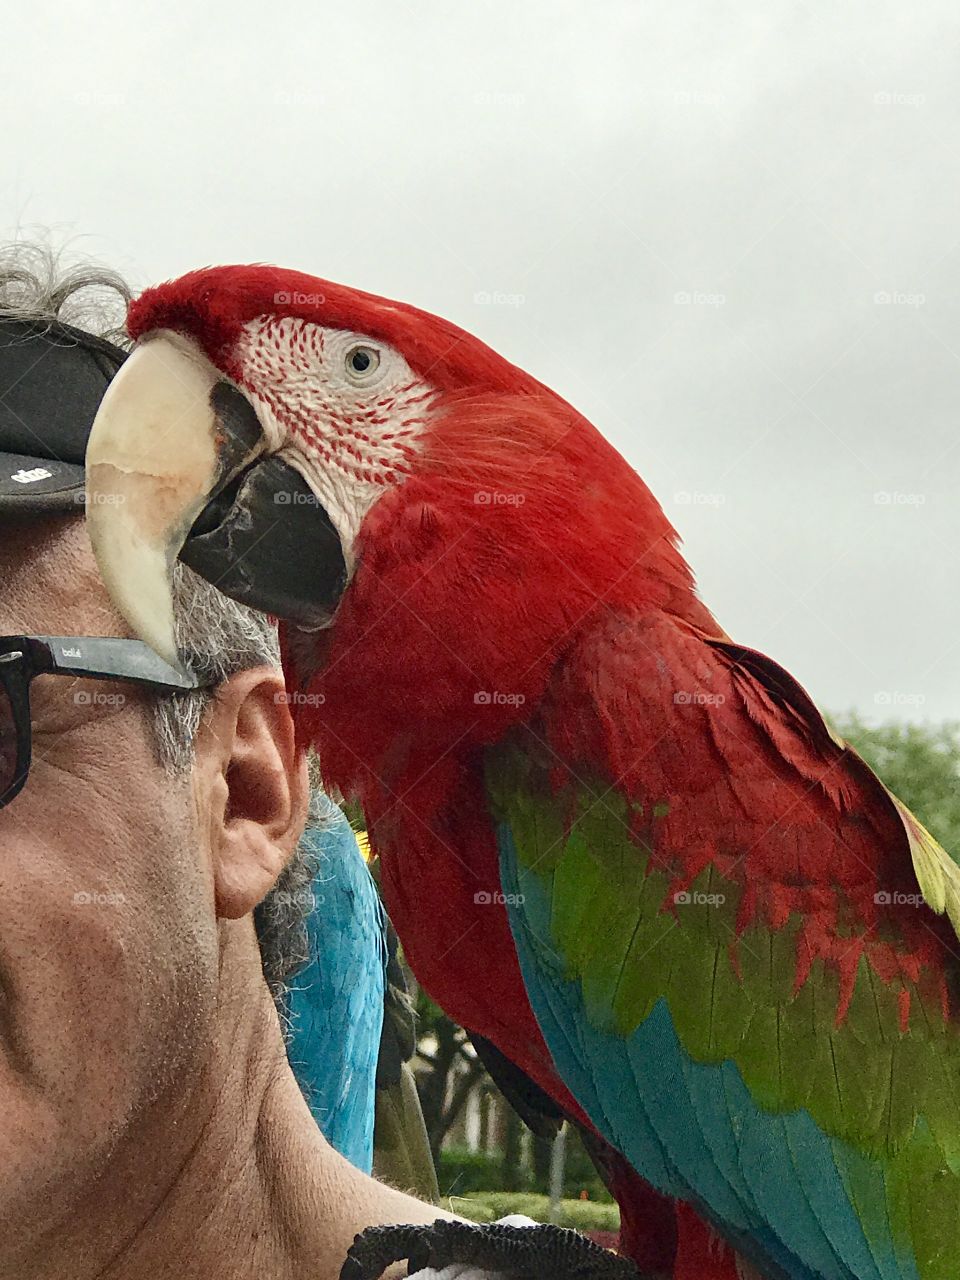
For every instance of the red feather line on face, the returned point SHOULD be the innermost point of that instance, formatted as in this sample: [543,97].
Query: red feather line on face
[276,353]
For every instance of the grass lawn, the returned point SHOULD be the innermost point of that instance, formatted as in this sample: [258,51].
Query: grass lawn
[582,1215]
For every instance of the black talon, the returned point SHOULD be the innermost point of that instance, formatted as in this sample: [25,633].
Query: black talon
[376,1249]
[522,1253]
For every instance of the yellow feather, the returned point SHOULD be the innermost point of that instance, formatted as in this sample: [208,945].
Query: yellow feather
[937,874]
[363,840]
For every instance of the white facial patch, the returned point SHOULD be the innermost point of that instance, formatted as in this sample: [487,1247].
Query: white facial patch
[344,409]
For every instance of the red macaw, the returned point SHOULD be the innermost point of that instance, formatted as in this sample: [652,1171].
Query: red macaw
[626,850]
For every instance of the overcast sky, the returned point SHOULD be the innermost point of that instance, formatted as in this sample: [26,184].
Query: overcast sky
[730,234]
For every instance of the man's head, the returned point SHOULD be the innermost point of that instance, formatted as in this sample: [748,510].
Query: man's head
[149,830]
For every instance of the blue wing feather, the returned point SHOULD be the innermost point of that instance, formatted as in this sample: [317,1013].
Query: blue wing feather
[335,1003]
[776,1186]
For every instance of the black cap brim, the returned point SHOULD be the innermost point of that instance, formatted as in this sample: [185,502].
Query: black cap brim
[52,379]
[39,486]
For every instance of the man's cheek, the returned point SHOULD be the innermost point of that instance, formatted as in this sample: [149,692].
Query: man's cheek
[78,976]
[101,893]
[89,942]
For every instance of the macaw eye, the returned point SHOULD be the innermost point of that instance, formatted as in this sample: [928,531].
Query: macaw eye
[362,361]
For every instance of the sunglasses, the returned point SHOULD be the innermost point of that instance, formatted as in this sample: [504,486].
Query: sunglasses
[23,658]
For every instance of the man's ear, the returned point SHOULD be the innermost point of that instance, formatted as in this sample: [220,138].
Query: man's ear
[252,787]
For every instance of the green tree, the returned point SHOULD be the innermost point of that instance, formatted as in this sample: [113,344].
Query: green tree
[920,763]
[450,1070]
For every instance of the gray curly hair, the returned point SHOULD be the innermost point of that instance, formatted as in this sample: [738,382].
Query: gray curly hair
[218,636]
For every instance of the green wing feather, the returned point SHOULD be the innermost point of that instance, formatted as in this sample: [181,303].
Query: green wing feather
[873,1056]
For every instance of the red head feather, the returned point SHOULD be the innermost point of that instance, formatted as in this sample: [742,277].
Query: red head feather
[513,524]
[214,303]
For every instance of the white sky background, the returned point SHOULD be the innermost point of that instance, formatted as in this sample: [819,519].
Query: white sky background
[583,165]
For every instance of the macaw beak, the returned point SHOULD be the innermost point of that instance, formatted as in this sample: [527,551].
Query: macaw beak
[178,465]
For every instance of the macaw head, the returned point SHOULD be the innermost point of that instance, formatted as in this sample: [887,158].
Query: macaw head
[298,442]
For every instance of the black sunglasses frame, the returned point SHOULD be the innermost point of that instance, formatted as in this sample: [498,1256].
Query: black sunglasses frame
[23,658]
